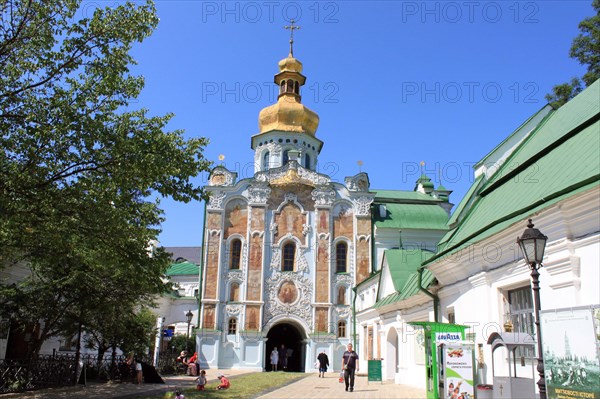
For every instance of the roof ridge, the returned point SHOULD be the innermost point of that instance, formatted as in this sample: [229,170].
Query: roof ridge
[540,154]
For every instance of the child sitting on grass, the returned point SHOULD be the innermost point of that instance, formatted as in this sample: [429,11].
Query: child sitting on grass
[224,382]
[179,395]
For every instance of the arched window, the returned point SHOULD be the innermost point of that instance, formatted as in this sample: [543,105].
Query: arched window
[307,161]
[234,292]
[341,333]
[341,257]
[232,326]
[235,254]
[296,88]
[290,86]
[265,161]
[289,254]
[282,89]
[341,297]
[286,157]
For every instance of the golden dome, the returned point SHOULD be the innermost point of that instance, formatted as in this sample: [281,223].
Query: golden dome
[290,64]
[289,114]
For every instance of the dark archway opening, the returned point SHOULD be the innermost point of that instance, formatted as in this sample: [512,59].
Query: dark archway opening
[290,336]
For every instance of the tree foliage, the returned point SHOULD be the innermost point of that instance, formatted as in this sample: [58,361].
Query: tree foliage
[585,49]
[79,166]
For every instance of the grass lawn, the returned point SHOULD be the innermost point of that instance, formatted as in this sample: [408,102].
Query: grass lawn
[243,386]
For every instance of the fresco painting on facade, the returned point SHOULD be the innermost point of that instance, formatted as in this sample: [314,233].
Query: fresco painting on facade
[288,293]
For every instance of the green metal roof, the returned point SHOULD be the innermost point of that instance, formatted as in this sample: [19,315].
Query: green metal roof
[182,269]
[413,216]
[465,201]
[542,113]
[387,195]
[411,288]
[403,265]
[557,160]
[403,262]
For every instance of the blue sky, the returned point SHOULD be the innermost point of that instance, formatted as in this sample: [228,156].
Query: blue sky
[394,82]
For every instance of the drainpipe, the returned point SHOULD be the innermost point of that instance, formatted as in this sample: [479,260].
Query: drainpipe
[354,318]
[372,239]
[201,268]
[436,299]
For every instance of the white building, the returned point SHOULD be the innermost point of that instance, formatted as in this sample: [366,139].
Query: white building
[548,171]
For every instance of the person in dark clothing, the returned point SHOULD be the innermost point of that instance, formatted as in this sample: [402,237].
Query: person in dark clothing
[350,367]
[323,363]
[282,358]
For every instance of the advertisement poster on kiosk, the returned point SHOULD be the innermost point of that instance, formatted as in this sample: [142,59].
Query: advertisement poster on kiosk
[571,352]
[459,370]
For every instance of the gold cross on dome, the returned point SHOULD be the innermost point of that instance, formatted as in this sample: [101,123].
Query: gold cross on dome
[291,27]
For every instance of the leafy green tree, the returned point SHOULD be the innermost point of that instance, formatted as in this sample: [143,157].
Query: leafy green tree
[180,343]
[586,50]
[80,167]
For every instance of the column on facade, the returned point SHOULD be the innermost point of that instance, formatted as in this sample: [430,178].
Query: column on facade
[323,199]
[214,222]
[255,268]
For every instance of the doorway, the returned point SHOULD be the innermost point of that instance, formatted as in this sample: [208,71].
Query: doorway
[289,335]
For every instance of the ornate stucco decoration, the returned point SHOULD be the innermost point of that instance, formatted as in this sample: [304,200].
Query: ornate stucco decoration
[233,310]
[300,260]
[323,236]
[362,205]
[343,279]
[306,229]
[277,305]
[343,312]
[363,237]
[291,197]
[213,232]
[258,194]
[323,196]
[220,176]
[292,174]
[234,275]
[215,201]
[359,182]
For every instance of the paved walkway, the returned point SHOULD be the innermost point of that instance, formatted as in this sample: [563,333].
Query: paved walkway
[309,387]
[329,387]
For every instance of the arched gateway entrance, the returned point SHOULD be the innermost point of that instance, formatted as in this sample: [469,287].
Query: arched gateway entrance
[292,337]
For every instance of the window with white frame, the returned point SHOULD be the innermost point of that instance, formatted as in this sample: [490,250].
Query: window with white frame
[232,326]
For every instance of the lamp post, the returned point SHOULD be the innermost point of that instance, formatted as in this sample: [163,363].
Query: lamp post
[189,316]
[533,245]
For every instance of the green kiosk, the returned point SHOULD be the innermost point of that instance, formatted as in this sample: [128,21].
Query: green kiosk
[441,339]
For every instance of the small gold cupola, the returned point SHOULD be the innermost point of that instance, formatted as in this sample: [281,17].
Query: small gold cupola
[289,114]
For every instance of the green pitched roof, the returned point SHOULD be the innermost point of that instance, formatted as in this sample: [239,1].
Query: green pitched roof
[413,216]
[557,160]
[403,262]
[182,269]
[465,201]
[403,265]
[411,288]
[402,195]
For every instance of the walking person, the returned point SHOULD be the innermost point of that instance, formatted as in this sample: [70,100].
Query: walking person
[323,363]
[274,359]
[350,367]
[283,357]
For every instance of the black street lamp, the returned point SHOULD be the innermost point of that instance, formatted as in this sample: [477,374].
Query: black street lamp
[533,245]
[189,316]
